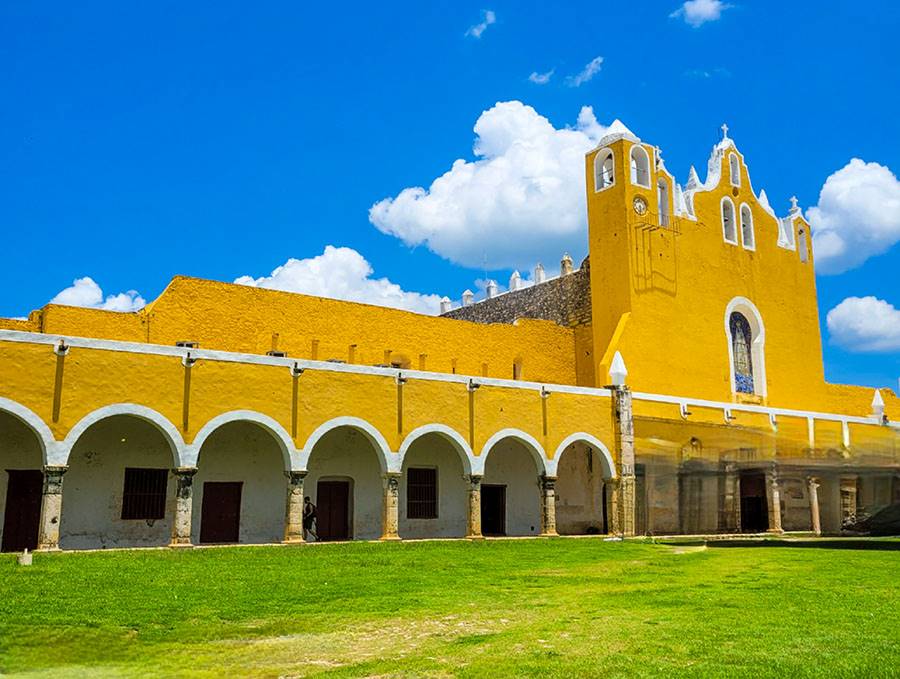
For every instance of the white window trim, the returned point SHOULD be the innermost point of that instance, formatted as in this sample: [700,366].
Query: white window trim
[660,209]
[744,306]
[734,220]
[634,179]
[604,153]
[752,245]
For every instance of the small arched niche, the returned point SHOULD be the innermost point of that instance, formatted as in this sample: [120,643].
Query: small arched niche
[729,227]
[640,167]
[747,235]
[604,170]
[734,169]
[746,348]
[662,195]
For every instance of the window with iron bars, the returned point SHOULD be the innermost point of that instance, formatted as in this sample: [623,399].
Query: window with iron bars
[144,493]
[421,493]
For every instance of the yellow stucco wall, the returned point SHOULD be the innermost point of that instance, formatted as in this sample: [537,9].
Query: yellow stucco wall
[676,282]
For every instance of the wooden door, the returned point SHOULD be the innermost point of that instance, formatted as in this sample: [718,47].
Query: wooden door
[493,509]
[220,515]
[754,505]
[22,516]
[333,510]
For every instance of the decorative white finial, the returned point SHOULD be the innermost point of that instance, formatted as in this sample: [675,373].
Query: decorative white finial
[491,288]
[617,370]
[515,281]
[539,275]
[445,305]
[724,131]
[795,208]
[878,406]
[467,297]
[566,266]
[693,178]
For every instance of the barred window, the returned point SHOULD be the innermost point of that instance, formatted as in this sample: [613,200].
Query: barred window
[144,494]
[421,493]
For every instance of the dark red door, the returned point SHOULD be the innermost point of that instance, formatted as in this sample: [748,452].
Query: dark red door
[22,516]
[493,509]
[333,510]
[220,515]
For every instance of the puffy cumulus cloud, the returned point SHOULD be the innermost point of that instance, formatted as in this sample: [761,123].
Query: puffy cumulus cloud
[698,12]
[487,18]
[85,292]
[865,324]
[521,201]
[590,69]
[342,273]
[858,216]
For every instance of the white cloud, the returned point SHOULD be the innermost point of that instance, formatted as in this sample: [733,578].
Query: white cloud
[342,273]
[865,324]
[698,12]
[541,78]
[591,69]
[488,18]
[84,292]
[706,74]
[858,216]
[520,202]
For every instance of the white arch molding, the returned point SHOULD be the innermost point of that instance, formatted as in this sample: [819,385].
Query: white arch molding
[744,306]
[609,465]
[727,202]
[604,173]
[448,434]
[530,443]
[272,426]
[388,461]
[49,445]
[162,424]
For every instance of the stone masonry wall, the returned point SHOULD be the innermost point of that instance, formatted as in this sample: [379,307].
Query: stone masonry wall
[566,300]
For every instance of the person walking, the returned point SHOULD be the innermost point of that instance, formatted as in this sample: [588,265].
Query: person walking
[309,518]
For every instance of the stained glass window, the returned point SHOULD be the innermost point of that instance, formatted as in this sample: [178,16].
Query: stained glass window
[741,337]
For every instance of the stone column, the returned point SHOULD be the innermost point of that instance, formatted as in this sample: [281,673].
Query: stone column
[473,530]
[849,492]
[730,520]
[293,511]
[774,502]
[623,423]
[51,507]
[184,505]
[812,488]
[390,519]
[548,513]
[613,519]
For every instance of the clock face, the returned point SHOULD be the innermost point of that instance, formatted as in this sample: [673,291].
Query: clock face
[640,205]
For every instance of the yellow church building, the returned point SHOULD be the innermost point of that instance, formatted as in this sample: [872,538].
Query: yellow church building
[672,384]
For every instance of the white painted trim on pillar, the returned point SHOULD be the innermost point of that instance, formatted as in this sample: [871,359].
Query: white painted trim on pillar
[609,465]
[272,426]
[387,460]
[447,433]
[531,443]
[165,427]
[48,443]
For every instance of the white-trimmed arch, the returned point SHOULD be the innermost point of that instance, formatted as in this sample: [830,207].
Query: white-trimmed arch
[729,214]
[388,461]
[49,445]
[604,169]
[460,445]
[163,425]
[526,439]
[272,426]
[609,467]
[640,166]
[745,307]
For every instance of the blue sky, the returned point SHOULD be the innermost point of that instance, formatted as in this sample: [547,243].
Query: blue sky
[219,140]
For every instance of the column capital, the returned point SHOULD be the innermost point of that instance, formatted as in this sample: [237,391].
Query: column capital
[812,481]
[296,474]
[184,471]
[56,469]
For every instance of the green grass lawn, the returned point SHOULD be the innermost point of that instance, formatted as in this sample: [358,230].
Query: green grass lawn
[561,607]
